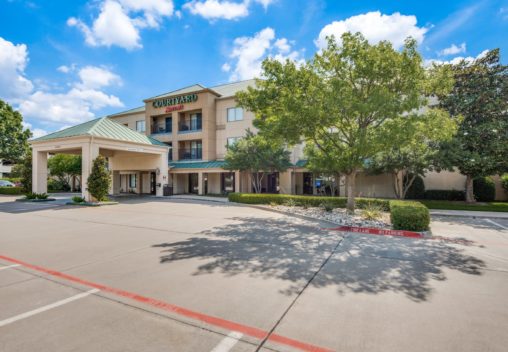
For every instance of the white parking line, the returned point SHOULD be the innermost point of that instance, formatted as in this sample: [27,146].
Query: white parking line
[228,342]
[495,223]
[45,308]
[9,266]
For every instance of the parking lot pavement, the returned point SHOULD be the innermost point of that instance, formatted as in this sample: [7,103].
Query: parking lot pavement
[196,276]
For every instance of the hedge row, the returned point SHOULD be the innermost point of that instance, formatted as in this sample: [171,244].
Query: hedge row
[309,201]
[409,215]
[405,215]
[11,190]
[446,194]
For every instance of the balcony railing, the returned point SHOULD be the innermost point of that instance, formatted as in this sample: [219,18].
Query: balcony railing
[161,129]
[190,154]
[190,125]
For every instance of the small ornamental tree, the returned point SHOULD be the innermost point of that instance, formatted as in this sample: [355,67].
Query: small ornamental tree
[99,179]
[23,170]
[64,167]
[258,156]
[414,148]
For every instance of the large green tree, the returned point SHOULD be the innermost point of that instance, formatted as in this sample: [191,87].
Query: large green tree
[343,99]
[258,156]
[13,137]
[64,167]
[414,150]
[480,96]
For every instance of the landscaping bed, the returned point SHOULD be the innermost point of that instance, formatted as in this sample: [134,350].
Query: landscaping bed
[92,204]
[35,200]
[337,216]
[81,201]
[370,212]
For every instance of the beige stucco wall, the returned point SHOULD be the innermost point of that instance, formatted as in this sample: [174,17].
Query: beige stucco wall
[378,186]
[444,180]
[227,129]
[129,119]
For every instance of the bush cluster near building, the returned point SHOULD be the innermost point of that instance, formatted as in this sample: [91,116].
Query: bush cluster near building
[11,190]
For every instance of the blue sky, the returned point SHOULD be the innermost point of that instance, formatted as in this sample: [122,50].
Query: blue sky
[65,62]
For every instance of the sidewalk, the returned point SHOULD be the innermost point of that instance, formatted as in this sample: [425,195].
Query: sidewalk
[470,214]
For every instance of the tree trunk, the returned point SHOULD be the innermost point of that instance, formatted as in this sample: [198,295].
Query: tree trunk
[351,183]
[337,183]
[469,189]
[405,187]
[346,186]
[398,183]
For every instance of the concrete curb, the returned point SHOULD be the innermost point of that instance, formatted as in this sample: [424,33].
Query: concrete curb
[199,199]
[471,215]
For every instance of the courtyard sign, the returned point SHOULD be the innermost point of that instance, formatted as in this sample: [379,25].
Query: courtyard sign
[189,98]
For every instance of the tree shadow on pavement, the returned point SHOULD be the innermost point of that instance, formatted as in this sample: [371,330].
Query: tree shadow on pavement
[291,250]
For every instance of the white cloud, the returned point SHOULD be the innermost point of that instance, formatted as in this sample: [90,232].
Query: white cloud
[42,105]
[453,50]
[97,77]
[119,22]
[13,60]
[265,3]
[222,9]
[226,67]
[249,52]
[456,59]
[64,69]
[72,107]
[375,27]
[215,9]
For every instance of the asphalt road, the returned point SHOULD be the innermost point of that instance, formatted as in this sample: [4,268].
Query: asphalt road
[151,275]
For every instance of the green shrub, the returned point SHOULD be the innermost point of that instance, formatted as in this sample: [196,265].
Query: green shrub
[31,195]
[99,179]
[305,201]
[290,203]
[417,189]
[57,186]
[78,199]
[326,206]
[371,212]
[445,194]
[11,190]
[484,189]
[504,182]
[409,215]
[41,196]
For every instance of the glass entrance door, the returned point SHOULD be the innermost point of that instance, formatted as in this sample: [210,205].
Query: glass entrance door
[193,183]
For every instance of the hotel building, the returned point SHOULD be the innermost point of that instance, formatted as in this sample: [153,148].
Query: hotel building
[176,143]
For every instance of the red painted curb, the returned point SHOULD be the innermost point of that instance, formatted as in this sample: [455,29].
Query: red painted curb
[219,322]
[379,232]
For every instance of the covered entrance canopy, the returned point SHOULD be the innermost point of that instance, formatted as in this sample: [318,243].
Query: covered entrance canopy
[125,149]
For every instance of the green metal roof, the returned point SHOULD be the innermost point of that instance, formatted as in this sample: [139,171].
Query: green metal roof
[230,89]
[189,89]
[301,163]
[130,111]
[214,164]
[102,127]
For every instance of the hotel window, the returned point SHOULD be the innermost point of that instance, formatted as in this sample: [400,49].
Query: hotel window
[232,140]
[140,126]
[235,114]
